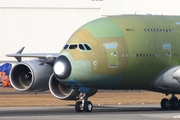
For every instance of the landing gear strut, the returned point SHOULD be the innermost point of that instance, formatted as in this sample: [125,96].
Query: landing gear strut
[84,104]
[171,104]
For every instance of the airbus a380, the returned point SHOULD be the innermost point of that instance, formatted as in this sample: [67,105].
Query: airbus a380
[113,53]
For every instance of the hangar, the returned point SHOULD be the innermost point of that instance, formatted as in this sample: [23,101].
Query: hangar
[43,26]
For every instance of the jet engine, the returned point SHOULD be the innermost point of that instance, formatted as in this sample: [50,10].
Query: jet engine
[168,81]
[61,91]
[32,76]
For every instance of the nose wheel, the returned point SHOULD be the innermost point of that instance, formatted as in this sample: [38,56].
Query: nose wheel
[79,107]
[84,104]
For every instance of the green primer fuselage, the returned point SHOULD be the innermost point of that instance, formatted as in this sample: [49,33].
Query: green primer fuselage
[127,52]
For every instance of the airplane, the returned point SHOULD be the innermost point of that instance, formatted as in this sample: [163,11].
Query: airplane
[121,52]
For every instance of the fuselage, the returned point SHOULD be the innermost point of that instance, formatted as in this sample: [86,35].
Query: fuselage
[122,52]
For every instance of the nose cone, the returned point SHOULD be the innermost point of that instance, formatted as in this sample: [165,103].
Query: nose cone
[62,67]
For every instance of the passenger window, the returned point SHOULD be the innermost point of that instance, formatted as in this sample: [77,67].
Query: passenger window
[72,46]
[81,47]
[66,46]
[137,55]
[87,47]
[140,55]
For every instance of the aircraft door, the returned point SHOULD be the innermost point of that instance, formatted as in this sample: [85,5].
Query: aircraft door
[112,54]
[167,53]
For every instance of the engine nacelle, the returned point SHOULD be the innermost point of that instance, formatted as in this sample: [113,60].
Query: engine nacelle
[31,76]
[169,81]
[64,92]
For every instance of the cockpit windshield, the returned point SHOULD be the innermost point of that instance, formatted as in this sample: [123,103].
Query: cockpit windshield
[83,47]
[66,46]
[87,47]
[72,46]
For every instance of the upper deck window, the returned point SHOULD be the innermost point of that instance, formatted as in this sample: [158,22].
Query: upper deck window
[159,30]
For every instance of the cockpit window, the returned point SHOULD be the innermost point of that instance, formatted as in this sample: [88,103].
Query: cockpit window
[81,47]
[87,47]
[72,46]
[66,46]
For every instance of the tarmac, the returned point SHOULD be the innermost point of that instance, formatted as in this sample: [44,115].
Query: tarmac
[110,112]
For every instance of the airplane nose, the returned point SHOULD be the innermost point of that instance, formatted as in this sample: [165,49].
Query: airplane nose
[62,67]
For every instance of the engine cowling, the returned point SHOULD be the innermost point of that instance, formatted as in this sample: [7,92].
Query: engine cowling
[168,81]
[32,76]
[64,92]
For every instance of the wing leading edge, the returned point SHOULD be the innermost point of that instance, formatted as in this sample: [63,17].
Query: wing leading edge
[18,55]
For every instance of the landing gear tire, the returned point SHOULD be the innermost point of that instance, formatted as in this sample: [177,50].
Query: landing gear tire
[165,104]
[83,105]
[174,103]
[79,107]
[179,103]
[88,106]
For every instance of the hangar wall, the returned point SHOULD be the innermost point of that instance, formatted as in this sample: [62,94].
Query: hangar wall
[42,25]
[154,7]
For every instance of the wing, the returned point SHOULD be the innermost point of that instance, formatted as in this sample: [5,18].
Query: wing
[18,55]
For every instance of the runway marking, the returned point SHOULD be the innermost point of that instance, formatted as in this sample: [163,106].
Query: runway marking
[177,116]
[164,115]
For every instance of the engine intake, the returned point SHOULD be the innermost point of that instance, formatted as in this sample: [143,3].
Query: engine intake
[64,92]
[32,76]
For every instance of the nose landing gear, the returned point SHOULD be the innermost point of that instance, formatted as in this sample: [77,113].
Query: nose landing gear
[83,105]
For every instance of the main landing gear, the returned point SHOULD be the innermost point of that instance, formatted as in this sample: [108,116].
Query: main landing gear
[172,104]
[84,104]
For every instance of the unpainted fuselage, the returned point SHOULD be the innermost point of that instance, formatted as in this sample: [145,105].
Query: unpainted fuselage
[123,52]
